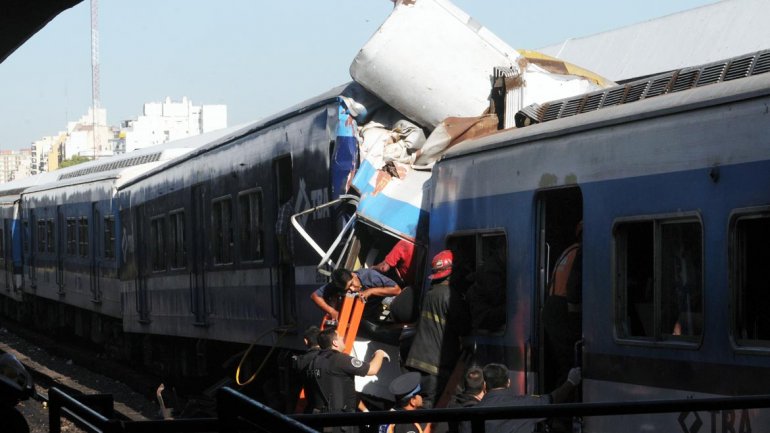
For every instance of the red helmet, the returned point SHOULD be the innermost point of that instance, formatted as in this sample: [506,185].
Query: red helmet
[441,265]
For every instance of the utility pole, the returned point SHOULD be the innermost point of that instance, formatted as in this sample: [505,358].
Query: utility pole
[95,70]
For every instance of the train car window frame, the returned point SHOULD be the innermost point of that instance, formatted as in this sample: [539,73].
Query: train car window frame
[177,240]
[83,236]
[26,234]
[158,259]
[222,235]
[2,241]
[748,229]
[663,236]
[71,236]
[50,230]
[109,237]
[41,236]
[251,233]
[482,240]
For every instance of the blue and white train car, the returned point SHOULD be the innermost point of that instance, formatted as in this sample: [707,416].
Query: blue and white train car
[674,194]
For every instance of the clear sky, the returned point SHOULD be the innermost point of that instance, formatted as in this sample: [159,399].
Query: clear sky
[257,57]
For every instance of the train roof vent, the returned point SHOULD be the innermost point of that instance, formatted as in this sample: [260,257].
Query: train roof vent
[614,96]
[127,162]
[676,81]
[635,92]
[571,107]
[711,74]
[593,102]
[552,111]
[762,64]
[659,86]
[738,68]
[685,80]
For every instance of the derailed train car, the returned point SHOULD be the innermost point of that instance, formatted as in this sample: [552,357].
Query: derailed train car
[672,192]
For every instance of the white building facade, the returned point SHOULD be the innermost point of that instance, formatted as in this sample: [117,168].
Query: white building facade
[166,121]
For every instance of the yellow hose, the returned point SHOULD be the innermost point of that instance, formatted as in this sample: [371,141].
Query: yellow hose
[251,346]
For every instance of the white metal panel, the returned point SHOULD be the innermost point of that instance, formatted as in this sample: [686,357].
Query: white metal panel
[709,33]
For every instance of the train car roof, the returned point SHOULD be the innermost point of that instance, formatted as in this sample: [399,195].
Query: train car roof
[670,103]
[122,168]
[351,89]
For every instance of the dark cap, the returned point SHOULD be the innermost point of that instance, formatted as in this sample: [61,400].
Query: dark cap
[406,385]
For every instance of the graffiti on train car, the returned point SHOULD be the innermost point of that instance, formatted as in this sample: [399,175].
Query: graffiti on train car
[716,421]
[306,201]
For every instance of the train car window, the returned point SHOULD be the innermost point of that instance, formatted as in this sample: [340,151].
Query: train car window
[659,279]
[49,236]
[250,206]
[83,236]
[72,240]
[2,242]
[109,237]
[750,235]
[222,225]
[26,234]
[158,244]
[41,236]
[479,272]
[176,231]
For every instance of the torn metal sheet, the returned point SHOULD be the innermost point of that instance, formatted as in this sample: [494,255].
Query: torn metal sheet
[430,60]
[394,203]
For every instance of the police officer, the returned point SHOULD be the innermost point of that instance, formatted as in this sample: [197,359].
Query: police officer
[406,390]
[301,366]
[334,373]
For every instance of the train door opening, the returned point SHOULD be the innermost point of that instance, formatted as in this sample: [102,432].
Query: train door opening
[32,249]
[7,264]
[283,293]
[559,283]
[60,240]
[198,275]
[140,256]
[96,291]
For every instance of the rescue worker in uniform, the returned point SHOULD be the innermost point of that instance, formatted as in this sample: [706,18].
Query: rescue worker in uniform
[301,364]
[562,318]
[406,390]
[442,322]
[334,373]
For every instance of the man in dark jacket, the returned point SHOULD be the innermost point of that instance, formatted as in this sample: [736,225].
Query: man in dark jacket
[497,384]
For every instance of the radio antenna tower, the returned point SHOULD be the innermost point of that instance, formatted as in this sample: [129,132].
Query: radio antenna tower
[95,70]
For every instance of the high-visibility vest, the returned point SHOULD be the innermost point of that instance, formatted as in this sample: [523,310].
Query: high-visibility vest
[562,271]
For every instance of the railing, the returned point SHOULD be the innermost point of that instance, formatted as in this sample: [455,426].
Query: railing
[237,412]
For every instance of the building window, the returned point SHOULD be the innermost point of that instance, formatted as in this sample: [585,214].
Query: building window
[158,244]
[659,279]
[479,271]
[222,226]
[83,236]
[250,204]
[178,250]
[109,237]
[750,234]
[72,237]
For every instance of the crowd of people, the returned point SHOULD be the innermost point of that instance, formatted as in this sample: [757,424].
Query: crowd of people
[328,373]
